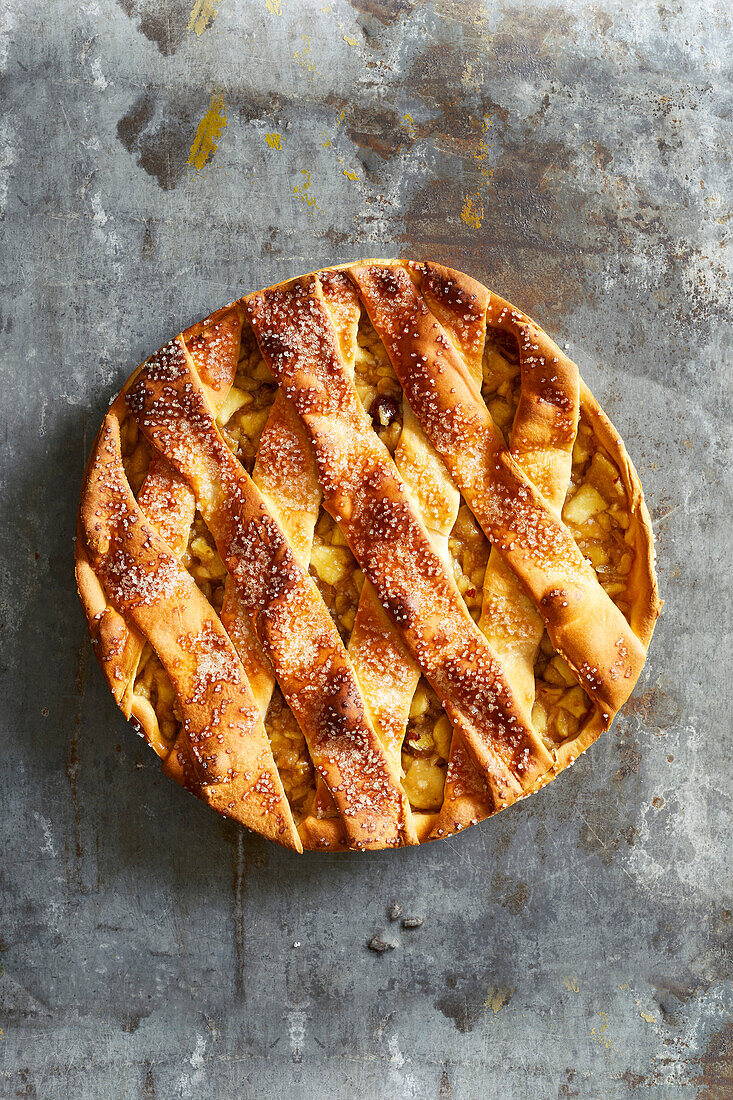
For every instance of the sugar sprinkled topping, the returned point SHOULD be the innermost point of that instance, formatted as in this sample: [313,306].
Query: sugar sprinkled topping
[291,621]
[307,331]
[506,503]
[362,487]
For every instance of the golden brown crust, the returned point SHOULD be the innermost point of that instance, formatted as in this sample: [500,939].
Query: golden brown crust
[364,493]
[169,505]
[449,423]
[112,640]
[285,473]
[255,661]
[460,304]
[585,626]
[387,674]
[145,583]
[542,444]
[542,440]
[290,619]
[327,834]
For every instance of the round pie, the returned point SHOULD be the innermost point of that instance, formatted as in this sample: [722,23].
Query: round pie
[363,559]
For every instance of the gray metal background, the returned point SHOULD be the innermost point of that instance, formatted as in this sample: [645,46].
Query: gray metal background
[576,945]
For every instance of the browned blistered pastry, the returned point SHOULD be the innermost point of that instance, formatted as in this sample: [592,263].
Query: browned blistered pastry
[363,559]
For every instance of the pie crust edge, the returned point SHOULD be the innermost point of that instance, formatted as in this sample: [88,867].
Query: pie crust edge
[111,632]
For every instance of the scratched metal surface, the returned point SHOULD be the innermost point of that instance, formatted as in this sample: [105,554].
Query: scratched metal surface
[158,162]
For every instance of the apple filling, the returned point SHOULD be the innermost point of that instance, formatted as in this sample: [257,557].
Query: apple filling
[335,571]
[291,755]
[154,688]
[501,386]
[204,564]
[245,410]
[469,550]
[136,454]
[152,683]
[561,707]
[425,749]
[377,385]
[596,511]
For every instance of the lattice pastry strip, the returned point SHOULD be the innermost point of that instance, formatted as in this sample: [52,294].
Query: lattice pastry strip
[284,472]
[542,440]
[460,304]
[222,724]
[386,672]
[584,624]
[366,496]
[169,505]
[461,308]
[290,619]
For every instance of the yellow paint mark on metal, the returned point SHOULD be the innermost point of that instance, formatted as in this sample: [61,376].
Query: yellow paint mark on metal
[274,141]
[483,150]
[303,57]
[350,175]
[472,76]
[600,1035]
[571,984]
[646,1016]
[350,41]
[203,14]
[274,7]
[473,210]
[473,206]
[481,23]
[303,191]
[499,997]
[209,130]
[325,144]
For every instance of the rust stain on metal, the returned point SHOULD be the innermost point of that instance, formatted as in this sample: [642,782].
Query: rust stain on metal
[715,1080]
[161,23]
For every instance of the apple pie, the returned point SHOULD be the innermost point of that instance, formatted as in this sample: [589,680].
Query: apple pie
[363,559]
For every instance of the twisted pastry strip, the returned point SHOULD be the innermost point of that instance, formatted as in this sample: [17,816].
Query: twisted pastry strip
[223,728]
[284,472]
[290,619]
[169,505]
[584,624]
[542,440]
[386,672]
[365,495]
